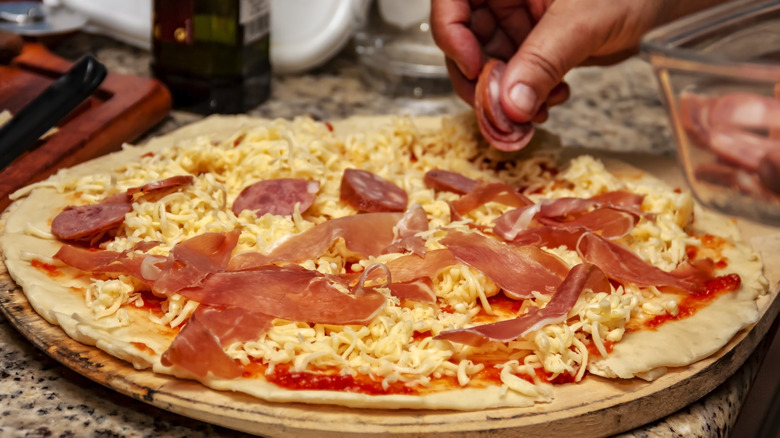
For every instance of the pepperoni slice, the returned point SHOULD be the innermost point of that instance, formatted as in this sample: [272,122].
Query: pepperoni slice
[447,181]
[501,132]
[368,192]
[87,222]
[277,196]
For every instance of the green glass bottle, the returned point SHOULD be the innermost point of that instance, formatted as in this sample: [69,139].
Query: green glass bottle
[213,54]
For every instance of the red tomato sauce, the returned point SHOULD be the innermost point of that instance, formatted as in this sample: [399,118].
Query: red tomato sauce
[151,302]
[594,351]
[698,299]
[143,347]
[501,305]
[46,268]
[303,380]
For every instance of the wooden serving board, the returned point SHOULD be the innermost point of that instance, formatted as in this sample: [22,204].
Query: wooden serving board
[594,407]
[121,110]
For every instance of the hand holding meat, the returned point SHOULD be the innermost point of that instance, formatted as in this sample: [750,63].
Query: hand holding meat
[539,41]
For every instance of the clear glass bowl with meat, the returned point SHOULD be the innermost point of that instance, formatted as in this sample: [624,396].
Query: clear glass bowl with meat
[719,73]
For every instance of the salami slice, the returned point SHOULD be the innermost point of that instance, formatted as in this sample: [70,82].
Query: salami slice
[501,132]
[277,196]
[368,192]
[447,181]
[87,222]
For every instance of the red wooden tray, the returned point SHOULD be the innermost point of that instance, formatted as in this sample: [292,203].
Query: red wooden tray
[121,110]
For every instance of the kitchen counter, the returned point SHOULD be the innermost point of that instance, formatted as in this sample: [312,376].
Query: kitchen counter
[615,108]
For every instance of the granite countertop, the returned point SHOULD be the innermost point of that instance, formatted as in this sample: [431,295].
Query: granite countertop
[615,108]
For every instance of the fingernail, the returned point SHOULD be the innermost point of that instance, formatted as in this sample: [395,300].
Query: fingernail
[524,98]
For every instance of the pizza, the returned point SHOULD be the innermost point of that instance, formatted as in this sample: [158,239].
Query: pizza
[378,262]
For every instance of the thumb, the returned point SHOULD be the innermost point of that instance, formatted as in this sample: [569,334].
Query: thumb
[561,40]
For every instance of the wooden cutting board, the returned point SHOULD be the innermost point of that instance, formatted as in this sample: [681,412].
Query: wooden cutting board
[121,110]
[596,407]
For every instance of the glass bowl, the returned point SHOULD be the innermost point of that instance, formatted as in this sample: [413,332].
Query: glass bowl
[719,73]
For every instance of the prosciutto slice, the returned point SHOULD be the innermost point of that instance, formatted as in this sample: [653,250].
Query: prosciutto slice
[622,264]
[501,132]
[414,221]
[581,277]
[288,292]
[487,192]
[549,237]
[613,215]
[419,290]
[126,262]
[190,261]
[368,234]
[609,222]
[410,267]
[199,346]
[162,186]
[519,271]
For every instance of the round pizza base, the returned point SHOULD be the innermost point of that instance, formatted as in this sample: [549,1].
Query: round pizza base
[595,407]
[583,404]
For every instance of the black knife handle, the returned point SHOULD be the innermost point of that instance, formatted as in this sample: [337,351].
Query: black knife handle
[52,105]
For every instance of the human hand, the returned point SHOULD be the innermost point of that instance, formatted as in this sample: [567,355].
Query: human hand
[541,40]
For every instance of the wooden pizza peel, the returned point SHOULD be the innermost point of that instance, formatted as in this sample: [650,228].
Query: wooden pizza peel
[594,407]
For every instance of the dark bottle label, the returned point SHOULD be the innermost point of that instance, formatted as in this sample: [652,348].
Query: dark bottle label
[213,55]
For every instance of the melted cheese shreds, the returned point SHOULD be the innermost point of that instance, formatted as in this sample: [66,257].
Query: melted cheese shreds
[397,347]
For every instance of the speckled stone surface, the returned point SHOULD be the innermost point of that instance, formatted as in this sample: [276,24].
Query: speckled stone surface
[616,108]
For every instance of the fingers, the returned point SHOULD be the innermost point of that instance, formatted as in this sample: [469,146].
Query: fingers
[462,86]
[559,94]
[560,40]
[450,20]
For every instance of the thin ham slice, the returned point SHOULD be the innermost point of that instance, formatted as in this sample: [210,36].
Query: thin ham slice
[289,292]
[190,261]
[199,346]
[609,222]
[411,267]
[622,264]
[581,277]
[612,214]
[549,237]
[419,290]
[487,192]
[113,262]
[621,199]
[501,132]
[745,110]
[162,186]
[414,221]
[519,271]
[277,196]
[368,234]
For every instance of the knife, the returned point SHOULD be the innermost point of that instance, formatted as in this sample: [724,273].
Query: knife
[52,105]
